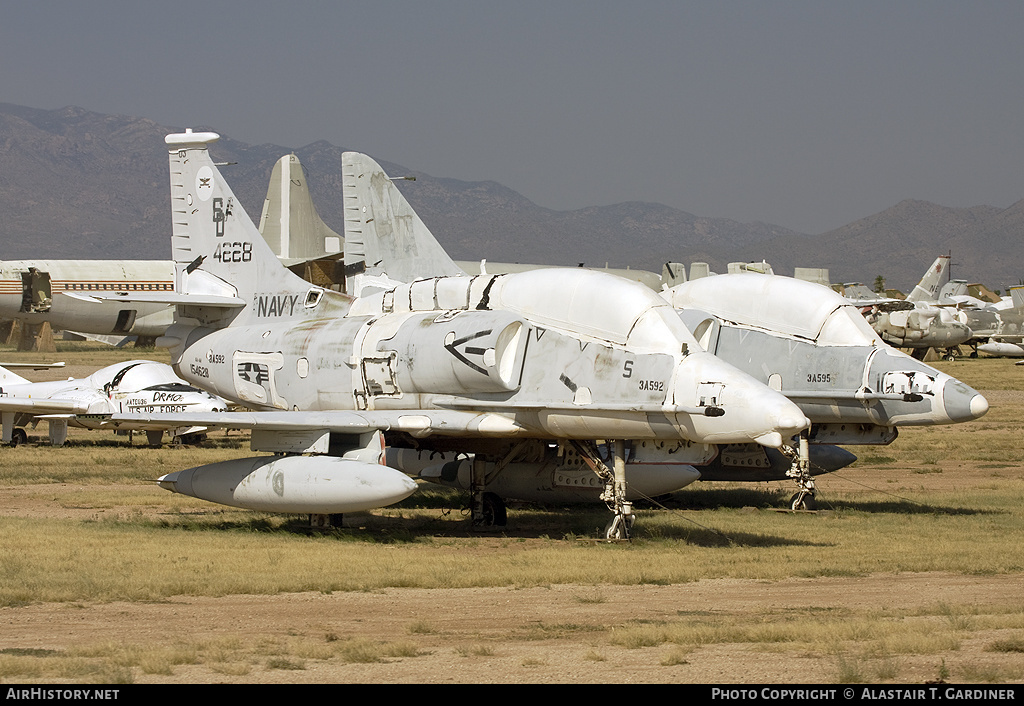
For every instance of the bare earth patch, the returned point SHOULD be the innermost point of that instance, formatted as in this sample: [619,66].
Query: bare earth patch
[507,635]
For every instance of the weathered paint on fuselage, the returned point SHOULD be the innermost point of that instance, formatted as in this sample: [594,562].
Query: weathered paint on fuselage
[451,343]
[796,367]
[812,345]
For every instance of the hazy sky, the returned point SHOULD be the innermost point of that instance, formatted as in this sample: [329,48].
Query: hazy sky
[808,115]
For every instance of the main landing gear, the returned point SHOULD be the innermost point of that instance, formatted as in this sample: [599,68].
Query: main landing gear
[488,509]
[800,471]
[614,495]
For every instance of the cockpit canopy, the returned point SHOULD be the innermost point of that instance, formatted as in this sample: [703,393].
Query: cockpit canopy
[133,375]
[780,304]
[593,304]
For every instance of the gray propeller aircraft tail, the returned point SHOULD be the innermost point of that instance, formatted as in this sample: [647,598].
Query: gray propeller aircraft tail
[290,223]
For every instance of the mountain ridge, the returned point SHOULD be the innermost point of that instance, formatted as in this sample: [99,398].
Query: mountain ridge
[80,184]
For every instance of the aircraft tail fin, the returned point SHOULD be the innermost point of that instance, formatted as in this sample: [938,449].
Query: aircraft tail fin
[383,235]
[290,223]
[1017,297]
[927,290]
[221,261]
[673,273]
[9,378]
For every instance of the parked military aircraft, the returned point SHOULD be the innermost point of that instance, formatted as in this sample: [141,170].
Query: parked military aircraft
[917,322]
[60,292]
[73,295]
[133,386]
[797,337]
[497,366]
[812,345]
[996,323]
[993,320]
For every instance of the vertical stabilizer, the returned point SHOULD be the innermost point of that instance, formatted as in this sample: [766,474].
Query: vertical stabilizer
[290,223]
[1017,297]
[217,250]
[383,235]
[927,290]
[673,273]
[9,378]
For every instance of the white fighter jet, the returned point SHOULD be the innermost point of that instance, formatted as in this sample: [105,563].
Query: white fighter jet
[133,386]
[503,367]
[813,346]
[797,337]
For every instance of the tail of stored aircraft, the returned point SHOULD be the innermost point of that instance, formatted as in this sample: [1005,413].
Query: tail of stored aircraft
[383,235]
[290,223]
[9,378]
[225,272]
[927,290]
[1017,297]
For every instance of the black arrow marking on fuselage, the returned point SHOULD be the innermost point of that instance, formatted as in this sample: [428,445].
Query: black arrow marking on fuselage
[451,348]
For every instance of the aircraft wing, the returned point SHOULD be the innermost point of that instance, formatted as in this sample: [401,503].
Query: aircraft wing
[311,428]
[43,405]
[169,298]
[31,366]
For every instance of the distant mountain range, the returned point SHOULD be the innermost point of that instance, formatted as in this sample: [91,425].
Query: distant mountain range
[78,184]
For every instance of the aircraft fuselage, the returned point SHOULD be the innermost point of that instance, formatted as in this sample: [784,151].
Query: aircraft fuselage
[60,292]
[446,343]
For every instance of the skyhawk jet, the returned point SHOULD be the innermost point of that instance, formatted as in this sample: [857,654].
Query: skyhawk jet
[799,338]
[813,346]
[504,367]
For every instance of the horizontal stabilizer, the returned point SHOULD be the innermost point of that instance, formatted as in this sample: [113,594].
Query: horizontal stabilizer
[172,299]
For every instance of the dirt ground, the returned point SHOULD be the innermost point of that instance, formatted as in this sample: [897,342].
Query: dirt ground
[470,630]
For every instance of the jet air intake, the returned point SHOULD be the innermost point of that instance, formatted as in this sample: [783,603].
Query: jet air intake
[465,351]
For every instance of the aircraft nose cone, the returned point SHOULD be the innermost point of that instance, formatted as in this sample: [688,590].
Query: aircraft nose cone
[962,403]
[786,424]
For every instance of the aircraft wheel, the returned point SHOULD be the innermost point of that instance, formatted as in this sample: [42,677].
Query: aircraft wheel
[495,514]
[951,357]
[19,437]
[618,528]
[803,501]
